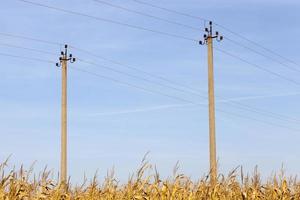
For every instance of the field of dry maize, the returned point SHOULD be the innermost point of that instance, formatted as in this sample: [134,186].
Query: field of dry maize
[21,184]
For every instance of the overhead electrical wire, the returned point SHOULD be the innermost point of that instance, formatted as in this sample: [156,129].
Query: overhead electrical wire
[30,38]
[264,112]
[26,48]
[91,63]
[193,91]
[133,85]
[102,76]
[219,25]
[108,20]
[261,54]
[137,69]
[258,45]
[52,8]
[147,15]
[195,29]
[236,104]
[261,121]
[133,76]
[190,90]
[26,58]
[171,10]
[258,66]
[184,100]
[139,27]
[145,89]
[233,41]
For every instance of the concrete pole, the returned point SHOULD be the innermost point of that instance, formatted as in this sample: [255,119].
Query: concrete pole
[212,127]
[63,167]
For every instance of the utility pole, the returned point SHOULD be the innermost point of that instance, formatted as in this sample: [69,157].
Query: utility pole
[208,40]
[63,63]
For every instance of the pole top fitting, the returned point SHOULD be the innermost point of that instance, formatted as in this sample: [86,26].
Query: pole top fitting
[210,35]
[65,57]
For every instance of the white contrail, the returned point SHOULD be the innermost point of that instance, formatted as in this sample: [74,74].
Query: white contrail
[139,110]
[163,107]
[257,97]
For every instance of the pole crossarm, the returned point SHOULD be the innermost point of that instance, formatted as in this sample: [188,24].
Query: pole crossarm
[65,57]
[210,35]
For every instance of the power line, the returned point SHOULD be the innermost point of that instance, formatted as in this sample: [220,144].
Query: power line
[142,71]
[171,10]
[133,26]
[28,49]
[131,85]
[258,67]
[102,19]
[191,90]
[50,61]
[237,104]
[195,28]
[147,15]
[109,20]
[26,58]
[187,88]
[84,14]
[142,88]
[180,99]
[261,121]
[264,112]
[219,25]
[257,44]
[30,38]
[133,76]
[261,54]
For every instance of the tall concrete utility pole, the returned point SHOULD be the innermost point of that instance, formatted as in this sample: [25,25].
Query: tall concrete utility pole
[63,62]
[208,40]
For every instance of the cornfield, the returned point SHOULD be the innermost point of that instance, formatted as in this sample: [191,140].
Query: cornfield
[22,185]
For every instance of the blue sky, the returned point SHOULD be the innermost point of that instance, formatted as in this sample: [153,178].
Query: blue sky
[113,125]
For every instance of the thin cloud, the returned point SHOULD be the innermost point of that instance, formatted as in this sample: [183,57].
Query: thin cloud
[257,97]
[163,107]
[140,110]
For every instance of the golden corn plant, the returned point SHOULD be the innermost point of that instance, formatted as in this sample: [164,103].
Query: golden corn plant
[146,184]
